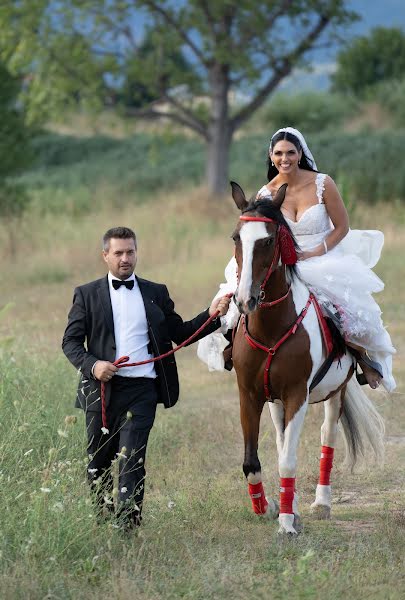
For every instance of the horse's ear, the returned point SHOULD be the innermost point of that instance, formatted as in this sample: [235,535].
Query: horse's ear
[279,197]
[239,196]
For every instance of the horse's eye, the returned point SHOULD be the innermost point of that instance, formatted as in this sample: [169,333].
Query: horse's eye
[235,237]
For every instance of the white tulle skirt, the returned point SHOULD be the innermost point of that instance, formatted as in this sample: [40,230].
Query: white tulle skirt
[342,279]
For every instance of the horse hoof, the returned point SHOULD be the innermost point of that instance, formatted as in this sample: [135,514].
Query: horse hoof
[321,512]
[273,509]
[290,525]
[298,526]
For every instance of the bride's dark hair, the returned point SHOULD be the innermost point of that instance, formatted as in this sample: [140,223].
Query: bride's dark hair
[289,137]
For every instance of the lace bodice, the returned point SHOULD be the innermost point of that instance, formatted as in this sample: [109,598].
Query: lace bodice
[315,220]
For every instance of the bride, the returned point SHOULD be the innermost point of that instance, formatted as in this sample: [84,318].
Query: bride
[335,262]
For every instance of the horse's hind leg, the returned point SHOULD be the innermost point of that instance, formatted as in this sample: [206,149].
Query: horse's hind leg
[322,505]
[250,411]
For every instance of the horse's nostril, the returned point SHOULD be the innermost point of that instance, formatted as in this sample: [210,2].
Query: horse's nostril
[251,303]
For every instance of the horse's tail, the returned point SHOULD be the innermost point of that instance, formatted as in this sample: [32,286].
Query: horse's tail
[361,421]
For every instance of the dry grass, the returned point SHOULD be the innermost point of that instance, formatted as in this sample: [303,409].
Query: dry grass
[208,544]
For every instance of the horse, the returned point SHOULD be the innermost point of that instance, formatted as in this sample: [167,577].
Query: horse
[278,353]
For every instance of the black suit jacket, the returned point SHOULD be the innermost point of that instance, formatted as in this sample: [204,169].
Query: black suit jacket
[89,336]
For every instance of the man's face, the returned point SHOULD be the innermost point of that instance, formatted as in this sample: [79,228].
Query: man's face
[121,257]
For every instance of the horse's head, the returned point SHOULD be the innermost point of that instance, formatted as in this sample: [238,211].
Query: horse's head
[263,242]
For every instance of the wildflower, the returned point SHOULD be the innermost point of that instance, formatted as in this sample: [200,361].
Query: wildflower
[92,471]
[140,461]
[70,419]
[124,490]
[45,490]
[122,453]
[171,504]
[28,452]
[105,430]
[129,415]
[62,433]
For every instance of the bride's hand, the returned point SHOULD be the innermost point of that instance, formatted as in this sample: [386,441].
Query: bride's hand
[304,254]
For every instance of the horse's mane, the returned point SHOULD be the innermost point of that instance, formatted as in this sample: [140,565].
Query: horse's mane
[266,209]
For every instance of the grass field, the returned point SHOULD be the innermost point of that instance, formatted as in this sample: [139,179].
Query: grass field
[200,538]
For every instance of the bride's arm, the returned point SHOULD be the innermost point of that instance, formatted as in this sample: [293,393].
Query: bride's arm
[339,217]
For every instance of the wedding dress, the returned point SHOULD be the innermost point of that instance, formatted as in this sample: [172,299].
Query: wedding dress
[342,280]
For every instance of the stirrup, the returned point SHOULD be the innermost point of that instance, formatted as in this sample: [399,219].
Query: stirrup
[373,364]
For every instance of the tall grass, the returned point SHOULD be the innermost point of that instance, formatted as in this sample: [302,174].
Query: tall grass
[70,171]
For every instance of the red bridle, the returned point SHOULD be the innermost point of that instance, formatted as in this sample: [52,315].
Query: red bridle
[273,265]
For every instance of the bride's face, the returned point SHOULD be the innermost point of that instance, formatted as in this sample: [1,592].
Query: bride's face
[285,157]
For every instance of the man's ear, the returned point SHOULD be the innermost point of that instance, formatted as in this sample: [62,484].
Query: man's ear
[238,196]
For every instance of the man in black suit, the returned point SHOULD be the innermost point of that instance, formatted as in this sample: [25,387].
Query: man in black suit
[124,315]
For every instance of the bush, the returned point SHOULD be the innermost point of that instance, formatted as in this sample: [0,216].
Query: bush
[390,94]
[309,111]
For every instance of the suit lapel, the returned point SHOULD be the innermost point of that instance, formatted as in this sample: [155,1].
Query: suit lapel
[148,299]
[104,295]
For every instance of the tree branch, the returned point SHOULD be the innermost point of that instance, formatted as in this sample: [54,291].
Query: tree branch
[154,6]
[152,113]
[287,63]
[187,114]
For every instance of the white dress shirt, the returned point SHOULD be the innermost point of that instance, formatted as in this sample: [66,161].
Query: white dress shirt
[130,328]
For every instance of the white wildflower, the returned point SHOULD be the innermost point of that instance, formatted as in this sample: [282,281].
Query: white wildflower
[124,490]
[105,430]
[62,433]
[140,461]
[92,471]
[45,490]
[129,415]
[171,504]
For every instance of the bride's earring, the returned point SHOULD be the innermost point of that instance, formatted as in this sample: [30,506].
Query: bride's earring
[272,163]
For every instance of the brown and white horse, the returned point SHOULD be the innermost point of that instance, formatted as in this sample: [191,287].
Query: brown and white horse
[277,350]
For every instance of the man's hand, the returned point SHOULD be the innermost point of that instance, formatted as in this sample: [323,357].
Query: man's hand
[104,370]
[221,304]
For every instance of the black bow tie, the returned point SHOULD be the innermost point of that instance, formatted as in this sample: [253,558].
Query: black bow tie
[118,282]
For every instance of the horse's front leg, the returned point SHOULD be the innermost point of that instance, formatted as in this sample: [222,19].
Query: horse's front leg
[250,412]
[322,505]
[294,413]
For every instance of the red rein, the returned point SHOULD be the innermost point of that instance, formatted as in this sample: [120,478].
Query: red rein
[122,362]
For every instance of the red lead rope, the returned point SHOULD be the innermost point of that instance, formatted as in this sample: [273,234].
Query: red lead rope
[122,362]
[271,351]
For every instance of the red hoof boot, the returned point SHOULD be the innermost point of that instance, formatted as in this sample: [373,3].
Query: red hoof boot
[259,502]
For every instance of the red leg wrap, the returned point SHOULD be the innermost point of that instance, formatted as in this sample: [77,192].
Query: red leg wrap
[325,465]
[287,486]
[259,502]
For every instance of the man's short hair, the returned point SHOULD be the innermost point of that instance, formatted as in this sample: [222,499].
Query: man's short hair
[122,233]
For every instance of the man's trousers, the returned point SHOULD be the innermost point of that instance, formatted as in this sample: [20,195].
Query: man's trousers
[130,417]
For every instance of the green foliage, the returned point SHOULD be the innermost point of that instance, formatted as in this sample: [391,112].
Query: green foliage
[390,94]
[369,60]
[308,111]
[70,170]
[15,152]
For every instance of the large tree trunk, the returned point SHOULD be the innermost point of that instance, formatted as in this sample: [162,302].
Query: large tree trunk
[219,133]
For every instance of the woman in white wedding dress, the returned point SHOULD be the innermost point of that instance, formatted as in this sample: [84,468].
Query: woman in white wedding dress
[335,262]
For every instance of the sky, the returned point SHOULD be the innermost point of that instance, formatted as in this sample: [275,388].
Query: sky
[373,13]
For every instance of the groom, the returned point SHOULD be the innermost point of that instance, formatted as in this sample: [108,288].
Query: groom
[124,315]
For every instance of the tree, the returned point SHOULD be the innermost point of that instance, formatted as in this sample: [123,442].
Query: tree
[246,46]
[368,60]
[15,154]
